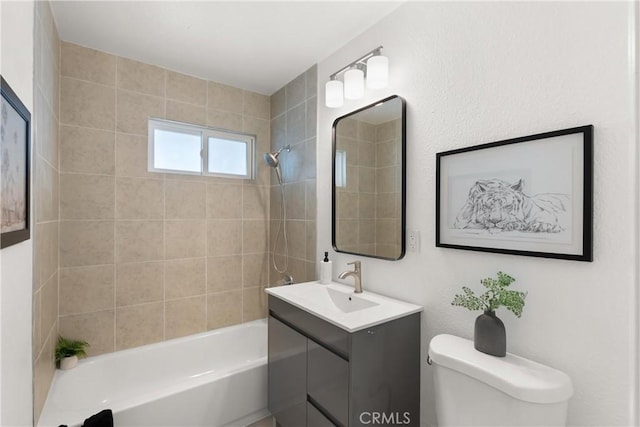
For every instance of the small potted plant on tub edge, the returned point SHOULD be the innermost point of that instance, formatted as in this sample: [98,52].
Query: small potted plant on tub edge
[68,351]
[489,334]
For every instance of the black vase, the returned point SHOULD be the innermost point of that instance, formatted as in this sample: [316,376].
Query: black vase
[489,335]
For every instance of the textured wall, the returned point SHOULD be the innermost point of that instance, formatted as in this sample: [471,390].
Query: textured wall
[146,256]
[46,195]
[479,72]
[293,122]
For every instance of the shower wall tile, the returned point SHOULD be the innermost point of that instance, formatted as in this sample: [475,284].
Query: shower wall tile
[134,109]
[185,316]
[84,150]
[97,328]
[296,124]
[87,104]
[87,64]
[148,256]
[138,325]
[223,97]
[254,304]
[296,91]
[224,309]
[181,87]
[224,273]
[46,191]
[185,277]
[86,289]
[278,103]
[138,283]
[140,77]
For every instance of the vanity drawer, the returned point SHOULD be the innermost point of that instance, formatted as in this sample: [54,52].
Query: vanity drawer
[315,328]
[328,381]
[315,418]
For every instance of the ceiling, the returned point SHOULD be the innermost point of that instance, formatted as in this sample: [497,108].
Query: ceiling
[258,46]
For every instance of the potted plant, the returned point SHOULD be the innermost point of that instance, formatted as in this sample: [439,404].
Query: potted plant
[489,334]
[68,351]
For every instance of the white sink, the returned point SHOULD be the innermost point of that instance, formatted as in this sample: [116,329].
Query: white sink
[338,304]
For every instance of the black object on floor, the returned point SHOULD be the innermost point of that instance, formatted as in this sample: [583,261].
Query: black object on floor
[101,419]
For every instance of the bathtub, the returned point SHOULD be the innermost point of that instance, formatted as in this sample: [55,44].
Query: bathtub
[216,378]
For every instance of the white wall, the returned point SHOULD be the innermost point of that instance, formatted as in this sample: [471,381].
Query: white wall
[16,285]
[479,72]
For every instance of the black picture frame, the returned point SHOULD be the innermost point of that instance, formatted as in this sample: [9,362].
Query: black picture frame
[530,196]
[15,142]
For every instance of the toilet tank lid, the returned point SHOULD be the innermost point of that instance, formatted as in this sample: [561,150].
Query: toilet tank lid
[516,376]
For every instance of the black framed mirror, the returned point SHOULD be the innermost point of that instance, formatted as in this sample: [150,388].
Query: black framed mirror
[369,191]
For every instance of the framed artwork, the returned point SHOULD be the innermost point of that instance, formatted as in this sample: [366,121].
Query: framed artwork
[14,160]
[524,196]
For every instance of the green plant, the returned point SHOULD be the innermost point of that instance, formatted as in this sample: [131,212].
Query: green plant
[497,295]
[66,347]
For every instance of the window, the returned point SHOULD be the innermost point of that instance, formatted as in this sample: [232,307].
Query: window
[196,150]
[341,168]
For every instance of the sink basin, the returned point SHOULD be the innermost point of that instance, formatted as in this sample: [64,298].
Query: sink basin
[348,301]
[338,304]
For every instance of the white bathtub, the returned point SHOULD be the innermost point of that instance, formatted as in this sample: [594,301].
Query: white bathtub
[216,378]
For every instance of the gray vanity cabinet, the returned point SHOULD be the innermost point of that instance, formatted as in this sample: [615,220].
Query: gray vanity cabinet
[321,375]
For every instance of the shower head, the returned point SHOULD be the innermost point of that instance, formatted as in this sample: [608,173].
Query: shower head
[271,159]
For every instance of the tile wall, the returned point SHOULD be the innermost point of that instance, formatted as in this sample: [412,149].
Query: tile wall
[145,256]
[45,191]
[293,122]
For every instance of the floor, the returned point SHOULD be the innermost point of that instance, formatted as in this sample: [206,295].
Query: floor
[265,422]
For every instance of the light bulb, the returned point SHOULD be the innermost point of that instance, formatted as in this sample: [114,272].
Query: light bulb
[377,72]
[333,94]
[354,83]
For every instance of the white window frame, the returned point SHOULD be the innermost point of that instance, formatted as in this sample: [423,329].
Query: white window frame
[204,133]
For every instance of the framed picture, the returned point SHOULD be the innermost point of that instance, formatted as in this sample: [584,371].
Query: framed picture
[14,158]
[523,196]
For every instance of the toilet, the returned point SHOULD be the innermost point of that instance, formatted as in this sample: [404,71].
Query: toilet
[476,389]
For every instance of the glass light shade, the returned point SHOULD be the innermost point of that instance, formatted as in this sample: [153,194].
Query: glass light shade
[333,94]
[354,84]
[377,72]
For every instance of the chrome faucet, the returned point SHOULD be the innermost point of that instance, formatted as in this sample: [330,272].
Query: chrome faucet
[355,274]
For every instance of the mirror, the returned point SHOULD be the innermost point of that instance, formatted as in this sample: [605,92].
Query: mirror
[369,180]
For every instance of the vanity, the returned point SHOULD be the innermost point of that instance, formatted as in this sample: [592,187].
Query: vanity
[337,358]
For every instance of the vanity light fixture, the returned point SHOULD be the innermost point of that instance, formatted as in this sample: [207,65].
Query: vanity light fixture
[374,66]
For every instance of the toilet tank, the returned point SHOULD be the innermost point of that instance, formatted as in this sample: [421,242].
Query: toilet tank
[476,389]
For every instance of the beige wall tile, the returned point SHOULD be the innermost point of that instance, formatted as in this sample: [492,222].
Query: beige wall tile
[386,153]
[297,236]
[386,179]
[311,198]
[185,239]
[37,336]
[139,198]
[223,97]
[255,269]
[46,125]
[296,124]
[43,371]
[139,283]
[224,237]
[366,153]
[278,103]
[312,256]
[185,316]
[312,81]
[131,156]
[140,77]
[224,201]
[296,91]
[134,110]
[347,205]
[366,205]
[367,231]
[366,131]
[86,289]
[87,64]
[49,306]
[138,241]
[386,130]
[47,191]
[86,243]
[185,200]
[138,325]
[224,119]
[87,104]
[312,119]
[182,87]
[224,309]
[46,256]
[87,196]
[185,277]
[255,201]
[224,273]
[254,236]
[186,113]
[85,150]
[386,205]
[256,105]
[96,328]
[367,180]
[254,303]
[295,200]
[385,231]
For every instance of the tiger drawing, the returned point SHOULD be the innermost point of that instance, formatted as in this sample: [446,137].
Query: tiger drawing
[496,206]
